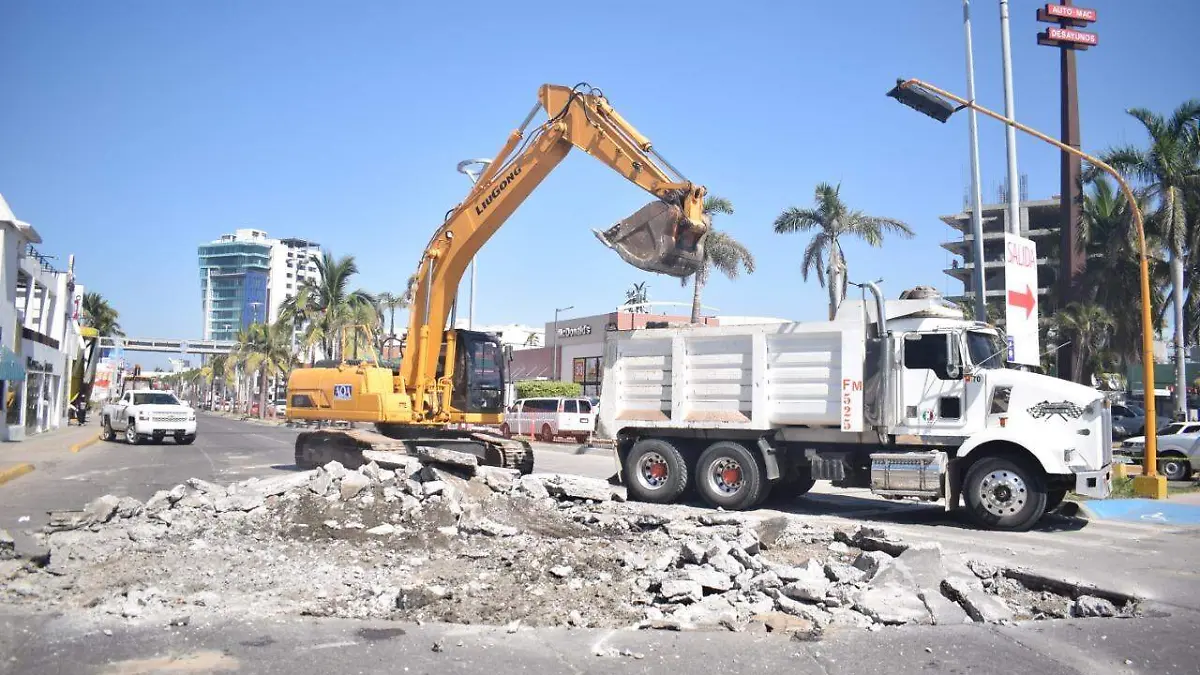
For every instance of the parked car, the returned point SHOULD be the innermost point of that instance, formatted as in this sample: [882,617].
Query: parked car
[281,409]
[1130,420]
[549,418]
[147,414]
[1178,449]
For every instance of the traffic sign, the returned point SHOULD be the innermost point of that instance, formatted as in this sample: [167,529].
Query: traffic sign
[1021,300]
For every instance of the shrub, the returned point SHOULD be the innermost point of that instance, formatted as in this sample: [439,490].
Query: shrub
[547,389]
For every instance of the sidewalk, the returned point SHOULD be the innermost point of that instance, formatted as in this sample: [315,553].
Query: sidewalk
[50,447]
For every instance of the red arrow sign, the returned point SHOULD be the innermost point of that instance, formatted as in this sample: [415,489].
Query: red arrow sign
[1025,301]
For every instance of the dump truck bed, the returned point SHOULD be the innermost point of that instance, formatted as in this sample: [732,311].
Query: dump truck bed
[755,377]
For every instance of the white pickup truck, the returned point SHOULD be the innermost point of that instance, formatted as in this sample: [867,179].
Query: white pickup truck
[145,413]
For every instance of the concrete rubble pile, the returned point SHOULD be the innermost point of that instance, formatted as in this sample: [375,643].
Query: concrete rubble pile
[437,538]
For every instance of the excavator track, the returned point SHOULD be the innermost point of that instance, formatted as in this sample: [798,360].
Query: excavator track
[317,448]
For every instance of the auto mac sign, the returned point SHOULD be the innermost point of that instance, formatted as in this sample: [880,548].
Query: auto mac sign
[1021,300]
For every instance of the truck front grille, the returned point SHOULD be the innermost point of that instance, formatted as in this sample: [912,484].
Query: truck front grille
[169,417]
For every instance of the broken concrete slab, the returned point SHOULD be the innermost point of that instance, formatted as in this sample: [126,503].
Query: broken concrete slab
[321,484]
[238,502]
[893,604]
[1091,606]
[565,486]
[868,538]
[446,457]
[681,590]
[726,564]
[382,530]
[211,489]
[400,462]
[770,530]
[691,552]
[335,469]
[159,502]
[842,572]
[871,562]
[128,507]
[101,509]
[969,594]
[498,478]
[805,582]
[8,547]
[710,579]
[532,487]
[352,484]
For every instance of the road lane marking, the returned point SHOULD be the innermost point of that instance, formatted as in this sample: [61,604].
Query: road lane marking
[83,444]
[276,440]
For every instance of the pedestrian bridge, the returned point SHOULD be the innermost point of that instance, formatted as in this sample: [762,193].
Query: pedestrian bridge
[168,345]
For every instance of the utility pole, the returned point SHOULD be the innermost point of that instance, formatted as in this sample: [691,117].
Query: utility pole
[1014,193]
[554,344]
[976,194]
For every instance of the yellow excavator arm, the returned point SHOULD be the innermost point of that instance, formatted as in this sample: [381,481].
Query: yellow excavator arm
[666,236]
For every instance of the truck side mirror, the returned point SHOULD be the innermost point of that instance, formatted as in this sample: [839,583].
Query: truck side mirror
[953,358]
[508,353]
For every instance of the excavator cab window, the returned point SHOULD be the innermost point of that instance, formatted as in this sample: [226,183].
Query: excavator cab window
[479,373]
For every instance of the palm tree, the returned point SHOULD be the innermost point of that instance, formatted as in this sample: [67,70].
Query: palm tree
[720,251]
[833,220]
[390,302]
[637,297]
[533,339]
[329,301]
[98,314]
[1087,326]
[1169,169]
[1111,278]
[265,350]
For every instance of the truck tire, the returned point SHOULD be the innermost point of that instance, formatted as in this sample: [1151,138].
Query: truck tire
[655,472]
[1054,498]
[1004,494]
[106,431]
[786,489]
[730,476]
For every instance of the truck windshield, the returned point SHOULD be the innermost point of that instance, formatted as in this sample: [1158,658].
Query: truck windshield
[155,399]
[986,350]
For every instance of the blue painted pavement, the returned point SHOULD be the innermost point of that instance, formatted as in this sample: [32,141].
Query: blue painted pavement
[1143,511]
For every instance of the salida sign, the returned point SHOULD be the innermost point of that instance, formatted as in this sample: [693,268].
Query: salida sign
[1021,300]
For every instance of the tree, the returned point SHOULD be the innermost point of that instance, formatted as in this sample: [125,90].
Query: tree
[328,303]
[533,339]
[1170,170]
[391,302]
[264,349]
[637,297]
[98,314]
[1112,275]
[720,251]
[1087,326]
[833,220]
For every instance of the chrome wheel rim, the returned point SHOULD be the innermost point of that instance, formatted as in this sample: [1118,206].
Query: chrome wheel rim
[1003,493]
[130,433]
[725,476]
[1172,469]
[653,472]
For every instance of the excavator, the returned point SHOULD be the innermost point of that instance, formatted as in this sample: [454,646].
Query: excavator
[450,378]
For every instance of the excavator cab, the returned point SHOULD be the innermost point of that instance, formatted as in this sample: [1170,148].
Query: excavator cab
[658,238]
[480,372]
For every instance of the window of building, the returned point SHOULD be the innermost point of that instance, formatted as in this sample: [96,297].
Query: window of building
[587,372]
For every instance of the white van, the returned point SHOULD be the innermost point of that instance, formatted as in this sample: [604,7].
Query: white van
[548,418]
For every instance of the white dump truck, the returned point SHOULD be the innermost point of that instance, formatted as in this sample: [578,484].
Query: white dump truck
[922,407]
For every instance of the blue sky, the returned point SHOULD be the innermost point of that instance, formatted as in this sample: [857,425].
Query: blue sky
[134,131]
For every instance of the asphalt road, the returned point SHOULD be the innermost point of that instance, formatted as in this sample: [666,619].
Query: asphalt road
[1151,561]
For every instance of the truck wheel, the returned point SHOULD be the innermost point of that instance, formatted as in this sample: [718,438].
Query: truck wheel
[106,431]
[794,485]
[728,475]
[185,439]
[505,431]
[655,472]
[1175,468]
[1003,494]
[131,434]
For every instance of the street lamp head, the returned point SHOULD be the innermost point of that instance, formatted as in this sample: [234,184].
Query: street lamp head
[921,100]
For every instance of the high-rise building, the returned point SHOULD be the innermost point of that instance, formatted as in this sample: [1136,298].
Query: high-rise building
[246,276]
[1039,222]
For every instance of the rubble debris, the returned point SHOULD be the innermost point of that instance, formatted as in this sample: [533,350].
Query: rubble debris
[8,548]
[446,457]
[1090,606]
[430,540]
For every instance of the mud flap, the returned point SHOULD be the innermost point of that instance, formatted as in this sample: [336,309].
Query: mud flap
[657,238]
[952,485]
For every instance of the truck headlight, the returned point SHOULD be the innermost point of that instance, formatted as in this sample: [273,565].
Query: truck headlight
[1000,398]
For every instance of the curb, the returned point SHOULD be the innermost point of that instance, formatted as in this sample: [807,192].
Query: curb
[83,444]
[14,471]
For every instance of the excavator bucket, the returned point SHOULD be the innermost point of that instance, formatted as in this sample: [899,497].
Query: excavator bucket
[658,238]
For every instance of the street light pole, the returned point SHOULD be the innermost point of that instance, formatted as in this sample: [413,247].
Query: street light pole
[464,168]
[923,97]
[554,344]
[976,192]
[1014,193]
